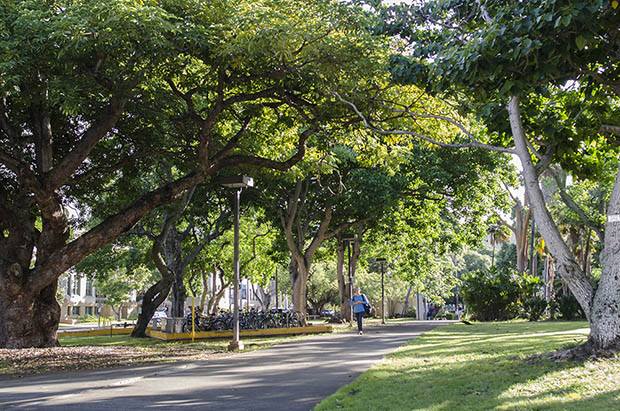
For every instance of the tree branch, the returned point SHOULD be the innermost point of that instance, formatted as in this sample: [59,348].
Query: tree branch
[60,174]
[570,203]
[188,98]
[115,225]
[232,142]
[268,163]
[473,143]
[608,128]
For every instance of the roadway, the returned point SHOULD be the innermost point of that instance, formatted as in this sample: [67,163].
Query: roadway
[295,375]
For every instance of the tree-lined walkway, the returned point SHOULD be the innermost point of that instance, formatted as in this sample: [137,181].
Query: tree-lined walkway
[292,376]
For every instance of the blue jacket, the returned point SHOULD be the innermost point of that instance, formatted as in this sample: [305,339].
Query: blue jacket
[359,308]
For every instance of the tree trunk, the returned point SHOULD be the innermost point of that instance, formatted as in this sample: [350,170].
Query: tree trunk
[343,290]
[299,281]
[153,298]
[603,306]
[522,218]
[263,297]
[215,301]
[179,295]
[566,265]
[217,297]
[205,288]
[406,304]
[587,254]
[356,251]
[605,315]
[31,323]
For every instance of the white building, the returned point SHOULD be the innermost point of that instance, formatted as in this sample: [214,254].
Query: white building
[80,299]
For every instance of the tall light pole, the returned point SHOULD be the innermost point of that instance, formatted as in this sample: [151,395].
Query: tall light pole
[238,183]
[381,262]
[348,239]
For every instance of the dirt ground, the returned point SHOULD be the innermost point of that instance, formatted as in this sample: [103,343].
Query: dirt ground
[41,360]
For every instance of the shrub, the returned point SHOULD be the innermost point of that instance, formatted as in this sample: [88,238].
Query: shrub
[492,295]
[450,316]
[87,318]
[534,308]
[502,294]
[568,307]
[93,318]
[529,285]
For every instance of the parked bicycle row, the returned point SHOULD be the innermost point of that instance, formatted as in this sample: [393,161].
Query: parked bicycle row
[248,320]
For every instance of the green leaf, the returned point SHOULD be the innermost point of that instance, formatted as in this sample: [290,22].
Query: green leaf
[566,20]
[581,42]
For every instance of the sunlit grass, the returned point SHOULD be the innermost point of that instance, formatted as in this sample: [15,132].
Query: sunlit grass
[486,366]
[213,345]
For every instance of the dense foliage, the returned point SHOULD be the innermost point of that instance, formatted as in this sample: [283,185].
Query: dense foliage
[502,294]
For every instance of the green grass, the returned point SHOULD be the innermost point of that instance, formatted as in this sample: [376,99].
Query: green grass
[125,340]
[485,366]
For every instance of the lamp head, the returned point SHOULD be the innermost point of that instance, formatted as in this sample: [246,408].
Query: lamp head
[237,181]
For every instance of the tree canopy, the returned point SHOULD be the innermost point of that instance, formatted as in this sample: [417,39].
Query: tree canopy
[94,95]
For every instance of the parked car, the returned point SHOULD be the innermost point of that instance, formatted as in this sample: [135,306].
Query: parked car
[327,313]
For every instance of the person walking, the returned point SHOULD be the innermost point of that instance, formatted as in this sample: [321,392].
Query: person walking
[357,303]
[431,311]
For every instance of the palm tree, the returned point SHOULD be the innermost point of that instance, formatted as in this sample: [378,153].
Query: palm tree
[499,234]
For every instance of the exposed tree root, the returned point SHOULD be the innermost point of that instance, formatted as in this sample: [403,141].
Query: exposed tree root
[580,353]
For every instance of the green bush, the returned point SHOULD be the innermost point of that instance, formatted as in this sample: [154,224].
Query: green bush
[502,294]
[93,318]
[450,316]
[530,286]
[411,313]
[534,308]
[492,295]
[87,318]
[568,307]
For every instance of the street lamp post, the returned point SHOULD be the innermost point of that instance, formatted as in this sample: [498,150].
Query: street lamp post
[381,262]
[238,183]
[349,238]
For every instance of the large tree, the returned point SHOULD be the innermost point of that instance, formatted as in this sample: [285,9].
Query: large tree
[543,76]
[94,93]
[311,210]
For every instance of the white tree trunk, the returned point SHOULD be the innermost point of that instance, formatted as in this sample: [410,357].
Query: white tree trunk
[605,315]
[567,267]
[602,308]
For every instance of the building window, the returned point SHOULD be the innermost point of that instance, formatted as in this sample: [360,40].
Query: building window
[62,285]
[75,310]
[76,285]
[89,287]
[88,310]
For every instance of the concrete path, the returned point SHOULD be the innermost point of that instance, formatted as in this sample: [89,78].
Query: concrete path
[292,376]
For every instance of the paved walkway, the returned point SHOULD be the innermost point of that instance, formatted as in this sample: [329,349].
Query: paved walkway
[292,376]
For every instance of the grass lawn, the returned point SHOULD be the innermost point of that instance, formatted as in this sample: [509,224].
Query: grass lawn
[485,366]
[127,341]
